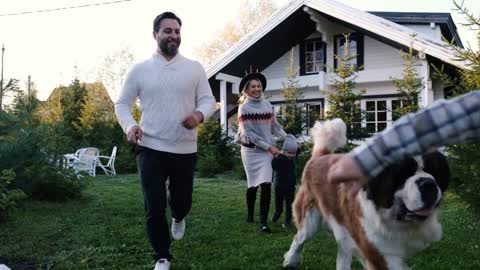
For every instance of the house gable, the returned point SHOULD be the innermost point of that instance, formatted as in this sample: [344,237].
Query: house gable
[267,48]
[272,45]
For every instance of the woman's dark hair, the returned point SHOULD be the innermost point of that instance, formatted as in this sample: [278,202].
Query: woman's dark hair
[165,15]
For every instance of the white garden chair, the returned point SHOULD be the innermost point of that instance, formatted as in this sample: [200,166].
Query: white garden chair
[109,167]
[86,160]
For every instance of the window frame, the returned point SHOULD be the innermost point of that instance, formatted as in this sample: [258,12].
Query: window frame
[388,109]
[359,39]
[303,56]
[307,106]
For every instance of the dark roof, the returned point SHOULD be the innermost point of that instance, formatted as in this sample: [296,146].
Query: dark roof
[274,44]
[447,26]
[231,110]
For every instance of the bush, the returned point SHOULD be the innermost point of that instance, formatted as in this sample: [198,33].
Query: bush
[216,151]
[8,198]
[463,159]
[208,165]
[125,161]
[35,156]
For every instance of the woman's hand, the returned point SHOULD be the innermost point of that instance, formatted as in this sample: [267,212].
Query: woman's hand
[274,151]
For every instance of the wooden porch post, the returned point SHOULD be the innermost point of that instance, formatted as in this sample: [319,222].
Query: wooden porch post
[223,105]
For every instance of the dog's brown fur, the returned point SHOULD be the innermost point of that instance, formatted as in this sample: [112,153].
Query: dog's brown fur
[333,201]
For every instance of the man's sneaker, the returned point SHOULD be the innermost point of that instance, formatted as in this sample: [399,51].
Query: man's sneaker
[162,264]
[178,229]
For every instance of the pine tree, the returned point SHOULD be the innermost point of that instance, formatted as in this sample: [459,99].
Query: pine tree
[344,102]
[408,86]
[291,111]
[464,158]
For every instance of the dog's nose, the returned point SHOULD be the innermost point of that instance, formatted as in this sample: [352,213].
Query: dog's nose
[429,190]
[422,181]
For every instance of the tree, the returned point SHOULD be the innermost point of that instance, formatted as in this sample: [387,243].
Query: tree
[343,100]
[250,16]
[409,86]
[10,86]
[464,158]
[26,100]
[113,70]
[51,111]
[291,111]
[73,98]
[97,108]
[64,107]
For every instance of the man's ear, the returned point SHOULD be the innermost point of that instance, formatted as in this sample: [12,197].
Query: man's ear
[154,34]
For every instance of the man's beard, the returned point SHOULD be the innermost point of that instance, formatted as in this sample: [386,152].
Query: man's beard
[169,50]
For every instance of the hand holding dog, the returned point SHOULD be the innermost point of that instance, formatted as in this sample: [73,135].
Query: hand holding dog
[345,169]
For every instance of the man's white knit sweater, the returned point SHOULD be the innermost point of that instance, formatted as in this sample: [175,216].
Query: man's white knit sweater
[168,92]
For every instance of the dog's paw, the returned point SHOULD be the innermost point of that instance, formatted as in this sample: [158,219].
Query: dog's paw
[291,260]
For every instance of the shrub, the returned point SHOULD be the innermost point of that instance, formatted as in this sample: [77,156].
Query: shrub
[466,170]
[8,198]
[216,151]
[35,156]
[208,165]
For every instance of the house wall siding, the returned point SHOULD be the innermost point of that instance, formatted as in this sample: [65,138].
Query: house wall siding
[279,68]
[382,63]
[435,32]
[381,56]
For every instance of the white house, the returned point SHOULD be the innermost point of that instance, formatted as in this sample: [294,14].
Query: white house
[315,28]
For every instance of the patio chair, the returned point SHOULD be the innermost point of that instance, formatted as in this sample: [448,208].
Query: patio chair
[86,160]
[70,158]
[109,167]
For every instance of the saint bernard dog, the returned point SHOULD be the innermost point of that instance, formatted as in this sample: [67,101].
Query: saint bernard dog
[392,217]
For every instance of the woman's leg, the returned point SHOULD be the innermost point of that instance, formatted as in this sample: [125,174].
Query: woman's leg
[251,196]
[265,196]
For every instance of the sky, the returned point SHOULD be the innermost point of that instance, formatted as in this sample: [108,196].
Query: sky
[55,47]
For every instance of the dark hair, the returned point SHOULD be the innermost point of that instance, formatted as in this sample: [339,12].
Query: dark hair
[165,15]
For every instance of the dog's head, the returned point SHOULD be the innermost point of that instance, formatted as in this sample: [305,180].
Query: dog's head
[410,190]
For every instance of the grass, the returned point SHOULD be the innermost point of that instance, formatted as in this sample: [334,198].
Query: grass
[104,230]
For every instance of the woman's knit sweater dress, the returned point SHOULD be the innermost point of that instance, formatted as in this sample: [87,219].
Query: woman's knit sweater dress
[257,125]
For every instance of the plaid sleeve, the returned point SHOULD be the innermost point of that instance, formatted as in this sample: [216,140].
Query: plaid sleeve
[445,122]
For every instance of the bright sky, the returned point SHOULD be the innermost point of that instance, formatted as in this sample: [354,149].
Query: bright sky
[49,45]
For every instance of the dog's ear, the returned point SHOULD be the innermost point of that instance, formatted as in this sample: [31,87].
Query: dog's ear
[436,164]
[381,189]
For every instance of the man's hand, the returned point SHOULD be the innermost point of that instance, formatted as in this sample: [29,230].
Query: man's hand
[135,134]
[192,120]
[343,168]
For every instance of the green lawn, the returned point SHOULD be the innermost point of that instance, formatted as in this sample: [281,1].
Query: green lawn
[104,230]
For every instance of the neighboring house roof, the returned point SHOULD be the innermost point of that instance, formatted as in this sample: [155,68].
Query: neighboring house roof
[444,20]
[270,36]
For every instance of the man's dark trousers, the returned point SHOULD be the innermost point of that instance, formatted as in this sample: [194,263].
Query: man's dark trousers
[155,167]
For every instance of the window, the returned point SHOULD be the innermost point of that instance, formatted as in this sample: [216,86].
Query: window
[379,113]
[376,115]
[312,56]
[355,49]
[278,111]
[314,113]
[395,105]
